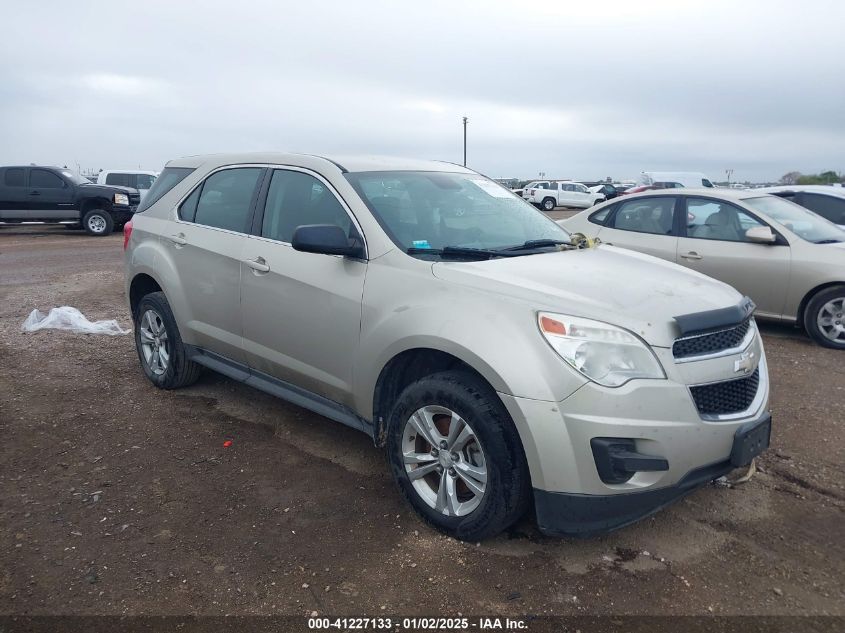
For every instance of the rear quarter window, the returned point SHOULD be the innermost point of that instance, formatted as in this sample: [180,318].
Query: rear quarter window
[600,216]
[169,178]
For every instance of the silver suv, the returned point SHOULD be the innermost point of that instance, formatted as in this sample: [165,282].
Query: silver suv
[497,359]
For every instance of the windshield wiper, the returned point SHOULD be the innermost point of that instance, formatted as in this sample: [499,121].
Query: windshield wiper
[459,251]
[830,241]
[531,244]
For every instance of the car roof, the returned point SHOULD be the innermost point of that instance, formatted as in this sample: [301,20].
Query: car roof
[127,171]
[711,192]
[32,167]
[838,192]
[361,163]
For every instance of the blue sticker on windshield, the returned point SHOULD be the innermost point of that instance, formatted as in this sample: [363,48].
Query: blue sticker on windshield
[420,244]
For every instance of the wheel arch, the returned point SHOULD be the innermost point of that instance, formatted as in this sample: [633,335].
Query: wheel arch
[90,204]
[407,367]
[141,285]
[802,307]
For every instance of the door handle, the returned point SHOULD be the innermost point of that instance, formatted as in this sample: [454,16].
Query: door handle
[179,239]
[692,255]
[35,193]
[259,264]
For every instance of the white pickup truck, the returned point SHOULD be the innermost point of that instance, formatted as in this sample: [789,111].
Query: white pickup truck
[548,194]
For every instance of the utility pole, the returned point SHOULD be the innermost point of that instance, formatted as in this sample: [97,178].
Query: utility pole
[729,173]
[465,141]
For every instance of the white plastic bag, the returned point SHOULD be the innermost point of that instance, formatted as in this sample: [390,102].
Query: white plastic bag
[67,318]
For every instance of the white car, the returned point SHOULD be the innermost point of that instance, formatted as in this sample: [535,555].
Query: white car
[548,194]
[824,200]
[136,179]
[694,179]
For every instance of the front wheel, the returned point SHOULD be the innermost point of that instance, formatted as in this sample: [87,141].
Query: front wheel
[824,317]
[456,456]
[97,222]
[549,204]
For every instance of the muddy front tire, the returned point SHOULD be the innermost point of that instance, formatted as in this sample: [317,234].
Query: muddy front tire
[456,456]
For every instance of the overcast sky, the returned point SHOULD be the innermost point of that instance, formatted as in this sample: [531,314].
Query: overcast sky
[573,89]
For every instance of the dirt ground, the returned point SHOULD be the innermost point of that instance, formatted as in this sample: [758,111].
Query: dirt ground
[117,498]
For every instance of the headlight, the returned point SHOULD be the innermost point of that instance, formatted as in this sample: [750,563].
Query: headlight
[121,198]
[602,352]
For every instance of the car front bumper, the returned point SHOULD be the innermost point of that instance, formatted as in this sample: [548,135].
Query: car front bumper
[572,514]
[122,214]
[653,422]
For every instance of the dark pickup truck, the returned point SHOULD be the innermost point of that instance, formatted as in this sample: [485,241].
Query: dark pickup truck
[56,195]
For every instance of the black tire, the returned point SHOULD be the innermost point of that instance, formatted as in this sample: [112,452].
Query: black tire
[549,204]
[508,487]
[98,222]
[835,296]
[180,371]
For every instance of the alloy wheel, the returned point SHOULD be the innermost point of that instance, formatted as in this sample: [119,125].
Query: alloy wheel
[444,460]
[831,320]
[155,343]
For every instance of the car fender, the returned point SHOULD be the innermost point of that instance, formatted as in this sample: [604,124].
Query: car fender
[501,341]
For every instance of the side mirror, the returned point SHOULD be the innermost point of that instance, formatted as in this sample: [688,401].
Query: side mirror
[760,235]
[326,239]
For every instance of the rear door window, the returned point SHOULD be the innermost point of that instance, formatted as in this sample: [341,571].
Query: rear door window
[43,179]
[14,177]
[225,201]
[119,180]
[646,215]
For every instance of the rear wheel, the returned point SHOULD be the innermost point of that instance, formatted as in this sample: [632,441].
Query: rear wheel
[824,317]
[97,222]
[159,345]
[456,456]
[549,204]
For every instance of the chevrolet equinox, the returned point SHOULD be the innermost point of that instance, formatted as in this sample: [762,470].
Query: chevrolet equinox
[501,362]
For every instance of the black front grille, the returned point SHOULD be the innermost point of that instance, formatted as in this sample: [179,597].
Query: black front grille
[731,396]
[701,344]
[134,199]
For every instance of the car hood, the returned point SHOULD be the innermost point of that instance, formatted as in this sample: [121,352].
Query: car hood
[638,292]
[107,188]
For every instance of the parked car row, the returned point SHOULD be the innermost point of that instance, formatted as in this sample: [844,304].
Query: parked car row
[501,364]
[548,194]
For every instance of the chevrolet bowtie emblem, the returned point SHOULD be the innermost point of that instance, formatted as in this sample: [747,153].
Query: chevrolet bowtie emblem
[745,363]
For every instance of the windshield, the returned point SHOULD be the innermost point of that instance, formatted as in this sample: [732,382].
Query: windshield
[805,224]
[433,210]
[75,178]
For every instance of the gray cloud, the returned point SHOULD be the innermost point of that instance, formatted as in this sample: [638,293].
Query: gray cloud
[609,88]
